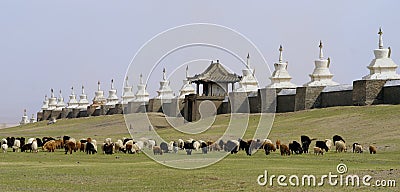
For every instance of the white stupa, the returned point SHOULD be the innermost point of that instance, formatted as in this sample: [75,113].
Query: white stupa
[60,104]
[165,91]
[52,101]
[141,95]
[33,119]
[45,105]
[187,87]
[72,103]
[248,83]
[321,75]
[128,94]
[83,102]
[280,77]
[99,96]
[24,119]
[382,67]
[112,95]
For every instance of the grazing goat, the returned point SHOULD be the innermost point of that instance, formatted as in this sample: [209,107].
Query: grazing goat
[340,146]
[322,145]
[157,150]
[318,151]
[338,138]
[295,147]
[284,150]
[372,149]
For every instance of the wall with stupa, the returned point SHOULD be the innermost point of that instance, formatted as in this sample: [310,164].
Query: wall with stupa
[380,86]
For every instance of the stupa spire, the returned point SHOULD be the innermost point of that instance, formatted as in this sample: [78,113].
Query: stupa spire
[126,82]
[187,71]
[112,83]
[280,54]
[141,79]
[164,75]
[321,54]
[380,38]
[248,60]
[98,85]
[52,92]
[83,90]
[24,112]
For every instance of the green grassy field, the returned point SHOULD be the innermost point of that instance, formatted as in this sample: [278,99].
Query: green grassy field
[377,125]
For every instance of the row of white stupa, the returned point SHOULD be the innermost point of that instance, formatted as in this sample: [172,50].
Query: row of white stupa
[382,67]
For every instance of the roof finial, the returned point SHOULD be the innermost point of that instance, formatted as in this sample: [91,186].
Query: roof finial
[380,38]
[164,76]
[141,79]
[60,93]
[248,60]
[98,85]
[280,54]
[83,90]
[321,54]
[52,92]
[187,71]
[112,83]
[126,82]
[45,97]
[72,89]
[24,112]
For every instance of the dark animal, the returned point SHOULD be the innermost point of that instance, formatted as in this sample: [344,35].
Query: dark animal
[284,150]
[268,147]
[157,150]
[305,143]
[66,138]
[232,146]
[204,147]
[322,145]
[372,149]
[126,140]
[295,147]
[189,147]
[90,148]
[82,146]
[338,138]
[164,147]
[221,144]
[69,147]
[39,142]
[26,147]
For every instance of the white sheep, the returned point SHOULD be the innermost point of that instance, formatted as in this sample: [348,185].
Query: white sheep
[17,145]
[151,143]
[328,143]
[340,146]
[196,145]
[34,146]
[118,145]
[4,147]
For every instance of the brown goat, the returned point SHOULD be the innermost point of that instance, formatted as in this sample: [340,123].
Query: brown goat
[278,143]
[284,150]
[50,146]
[157,150]
[372,149]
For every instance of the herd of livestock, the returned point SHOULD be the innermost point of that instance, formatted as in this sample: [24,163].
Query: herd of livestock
[127,145]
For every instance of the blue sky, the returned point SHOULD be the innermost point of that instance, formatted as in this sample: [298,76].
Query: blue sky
[59,44]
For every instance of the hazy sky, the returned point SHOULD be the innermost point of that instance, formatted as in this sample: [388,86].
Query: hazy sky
[59,44]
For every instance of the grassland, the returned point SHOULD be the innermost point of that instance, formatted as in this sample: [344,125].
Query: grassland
[378,125]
